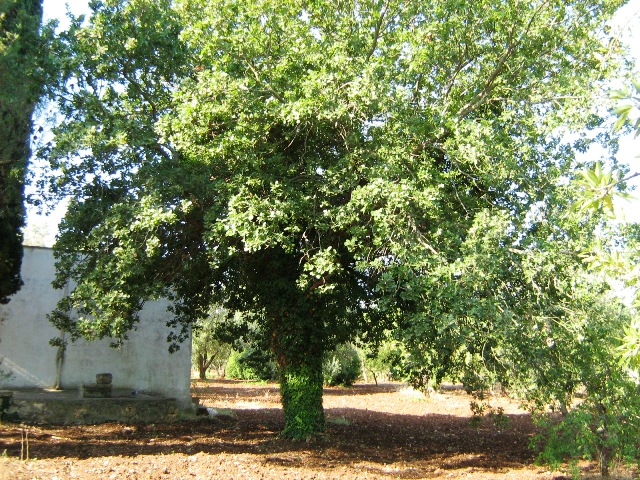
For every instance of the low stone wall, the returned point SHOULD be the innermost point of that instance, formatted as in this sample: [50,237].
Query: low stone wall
[68,408]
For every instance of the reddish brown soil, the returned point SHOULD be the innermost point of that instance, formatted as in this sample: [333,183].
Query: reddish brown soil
[373,432]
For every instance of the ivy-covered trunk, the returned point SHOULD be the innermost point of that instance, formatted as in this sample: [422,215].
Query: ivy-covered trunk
[297,342]
[301,389]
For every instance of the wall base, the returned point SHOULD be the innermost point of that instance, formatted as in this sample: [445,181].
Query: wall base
[67,408]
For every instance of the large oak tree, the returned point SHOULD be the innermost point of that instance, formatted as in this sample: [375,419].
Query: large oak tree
[307,163]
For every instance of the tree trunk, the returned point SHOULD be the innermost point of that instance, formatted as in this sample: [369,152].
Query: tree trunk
[363,367]
[603,437]
[301,385]
[202,367]
[604,463]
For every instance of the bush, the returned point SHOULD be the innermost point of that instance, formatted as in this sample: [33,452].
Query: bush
[578,353]
[604,427]
[385,361]
[342,366]
[251,364]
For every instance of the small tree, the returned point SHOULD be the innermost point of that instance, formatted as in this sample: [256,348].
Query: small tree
[208,351]
[605,424]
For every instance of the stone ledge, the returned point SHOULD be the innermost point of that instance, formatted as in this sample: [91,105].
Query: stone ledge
[66,410]
[96,391]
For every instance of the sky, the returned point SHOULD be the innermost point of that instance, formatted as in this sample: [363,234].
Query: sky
[56,9]
[43,227]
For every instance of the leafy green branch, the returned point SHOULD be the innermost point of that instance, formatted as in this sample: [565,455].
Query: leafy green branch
[626,111]
[599,190]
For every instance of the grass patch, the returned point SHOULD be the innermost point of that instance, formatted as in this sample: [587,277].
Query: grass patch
[342,420]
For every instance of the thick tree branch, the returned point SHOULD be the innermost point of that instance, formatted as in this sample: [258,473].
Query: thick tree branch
[142,92]
[378,28]
[489,84]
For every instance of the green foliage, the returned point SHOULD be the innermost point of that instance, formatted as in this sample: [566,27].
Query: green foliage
[251,364]
[385,360]
[604,429]
[325,168]
[234,370]
[598,188]
[617,253]
[23,64]
[605,424]
[341,366]
[210,354]
[629,349]
[628,108]
[525,312]
[507,289]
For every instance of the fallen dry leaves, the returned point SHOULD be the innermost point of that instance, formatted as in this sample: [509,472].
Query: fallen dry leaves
[384,431]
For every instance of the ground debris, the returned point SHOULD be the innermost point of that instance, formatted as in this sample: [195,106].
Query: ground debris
[373,432]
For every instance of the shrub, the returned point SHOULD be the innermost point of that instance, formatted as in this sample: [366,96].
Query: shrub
[384,361]
[604,427]
[342,366]
[251,364]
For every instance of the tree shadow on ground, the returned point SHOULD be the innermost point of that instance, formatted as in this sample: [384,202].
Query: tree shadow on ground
[426,442]
[374,430]
[248,389]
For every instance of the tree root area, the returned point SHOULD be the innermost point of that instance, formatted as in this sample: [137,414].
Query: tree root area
[373,432]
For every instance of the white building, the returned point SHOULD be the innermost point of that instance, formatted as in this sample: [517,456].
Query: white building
[143,364]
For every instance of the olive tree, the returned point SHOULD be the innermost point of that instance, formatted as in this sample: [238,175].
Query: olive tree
[208,350]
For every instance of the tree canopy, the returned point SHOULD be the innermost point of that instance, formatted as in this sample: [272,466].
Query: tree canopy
[329,168]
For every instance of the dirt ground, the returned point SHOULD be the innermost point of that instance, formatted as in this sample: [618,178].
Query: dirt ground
[385,431]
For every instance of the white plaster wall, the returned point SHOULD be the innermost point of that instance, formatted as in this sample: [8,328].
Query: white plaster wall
[143,363]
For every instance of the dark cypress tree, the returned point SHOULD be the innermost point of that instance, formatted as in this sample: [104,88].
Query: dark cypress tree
[20,86]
